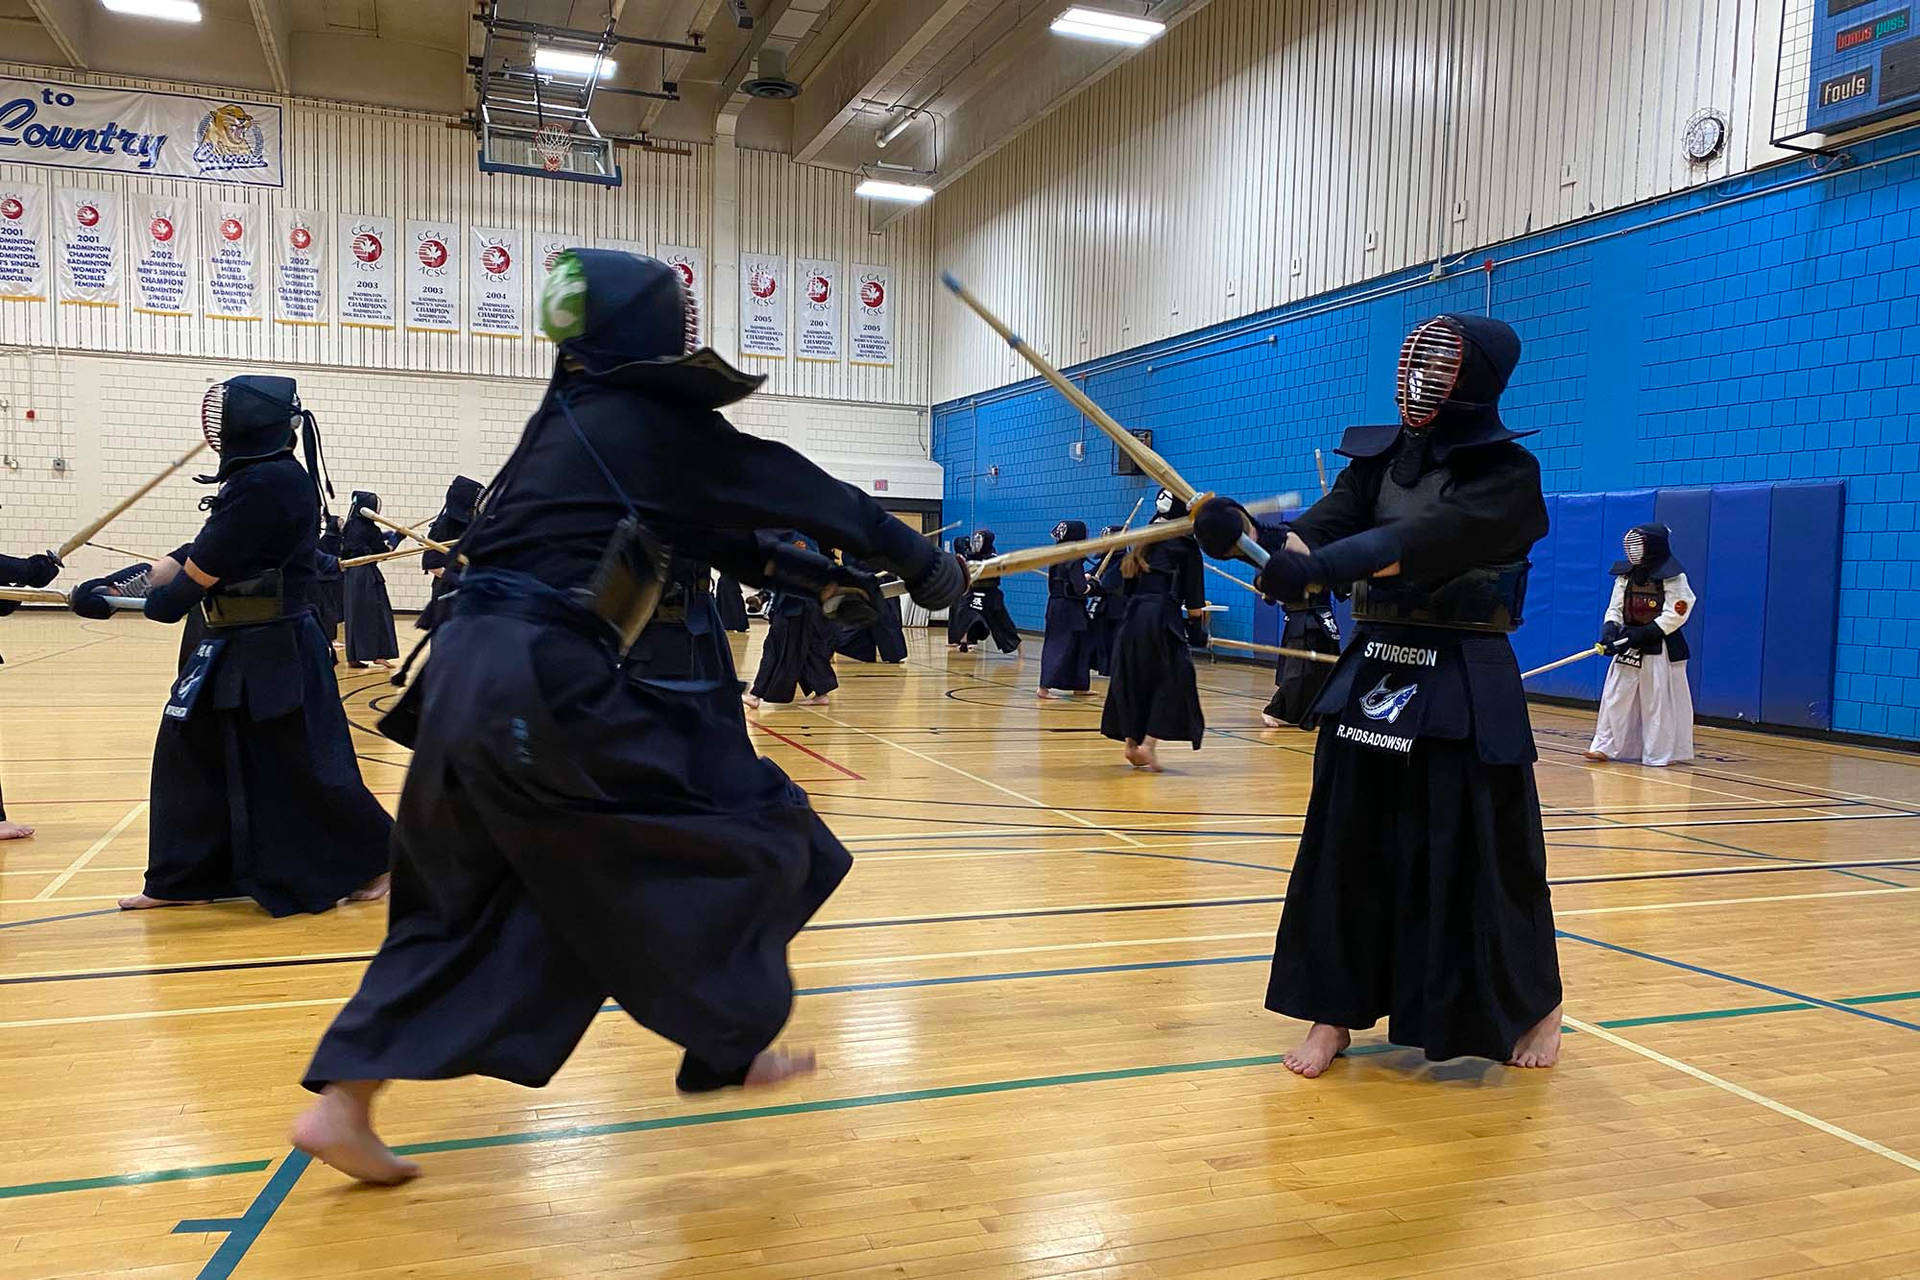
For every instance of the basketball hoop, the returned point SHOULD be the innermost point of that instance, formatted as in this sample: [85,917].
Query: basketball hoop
[553,145]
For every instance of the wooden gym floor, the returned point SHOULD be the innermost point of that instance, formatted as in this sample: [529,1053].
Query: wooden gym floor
[1038,1006]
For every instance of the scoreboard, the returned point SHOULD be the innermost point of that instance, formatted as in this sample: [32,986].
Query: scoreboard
[1865,64]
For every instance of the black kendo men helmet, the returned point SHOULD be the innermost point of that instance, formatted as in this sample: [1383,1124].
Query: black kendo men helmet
[1070,531]
[249,419]
[1457,363]
[627,318]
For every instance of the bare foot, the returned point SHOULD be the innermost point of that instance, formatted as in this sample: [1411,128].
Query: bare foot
[749,700]
[1540,1046]
[1598,757]
[15,831]
[338,1130]
[386,663]
[771,1066]
[1272,722]
[1323,1044]
[1048,695]
[818,700]
[373,890]
[141,902]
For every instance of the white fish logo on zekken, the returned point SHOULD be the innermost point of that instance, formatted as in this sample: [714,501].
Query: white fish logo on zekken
[1387,704]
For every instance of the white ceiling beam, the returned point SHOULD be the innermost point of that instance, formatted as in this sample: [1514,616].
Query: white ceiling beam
[887,37]
[270,19]
[68,22]
[682,18]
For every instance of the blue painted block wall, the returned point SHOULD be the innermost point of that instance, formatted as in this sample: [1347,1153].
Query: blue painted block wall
[1762,329]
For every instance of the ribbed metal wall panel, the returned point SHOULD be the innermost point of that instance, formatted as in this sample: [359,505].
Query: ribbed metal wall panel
[1270,150]
[799,211]
[348,160]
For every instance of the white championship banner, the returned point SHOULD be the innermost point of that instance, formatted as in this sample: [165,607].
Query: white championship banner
[162,257]
[820,309]
[496,284]
[300,268]
[155,135]
[691,263]
[232,239]
[87,226]
[23,242]
[433,277]
[873,308]
[363,271]
[763,305]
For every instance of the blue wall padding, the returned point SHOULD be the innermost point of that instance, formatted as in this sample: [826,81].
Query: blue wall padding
[1689,513]
[1802,605]
[1577,595]
[1533,642]
[1737,553]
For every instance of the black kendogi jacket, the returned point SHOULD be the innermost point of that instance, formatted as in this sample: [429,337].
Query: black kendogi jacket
[1174,570]
[553,509]
[362,537]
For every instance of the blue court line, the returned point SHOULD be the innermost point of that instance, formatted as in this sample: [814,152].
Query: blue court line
[244,1230]
[71,915]
[1770,989]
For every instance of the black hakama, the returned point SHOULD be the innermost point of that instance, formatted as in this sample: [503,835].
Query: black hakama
[256,790]
[983,616]
[369,613]
[329,588]
[1419,893]
[882,640]
[1104,607]
[1154,693]
[1296,681]
[731,604]
[685,640]
[798,654]
[569,833]
[1064,658]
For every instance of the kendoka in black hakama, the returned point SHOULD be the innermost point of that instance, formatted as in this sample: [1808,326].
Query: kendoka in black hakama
[1153,693]
[983,614]
[882,640]
[1064,656]
[573,828]
[1419,893]
[369,612]
[256,790]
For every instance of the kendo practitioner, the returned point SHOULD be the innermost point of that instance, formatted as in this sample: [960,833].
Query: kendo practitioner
[22,571]
[1646,708]
[1309,625]
[456,513]
[1154,696]
[567,832]
[1420,889]
[256,791]
[798,653]
[1105,586]
[1064,660]
[330,598]
[961,617]
[884,640]
[370,633]
[731,604]
[685,640]
[985,614]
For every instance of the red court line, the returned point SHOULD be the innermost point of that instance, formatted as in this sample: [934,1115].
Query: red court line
[806,750]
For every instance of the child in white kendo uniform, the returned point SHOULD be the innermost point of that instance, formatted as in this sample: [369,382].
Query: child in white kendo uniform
[1646,710]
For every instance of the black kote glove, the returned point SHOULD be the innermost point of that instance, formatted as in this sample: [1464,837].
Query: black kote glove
[940,583]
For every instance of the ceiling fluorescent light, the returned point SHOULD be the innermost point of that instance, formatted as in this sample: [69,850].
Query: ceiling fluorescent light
[568,62]
[1112,28]
[888,133]
[900,192]
[169,10]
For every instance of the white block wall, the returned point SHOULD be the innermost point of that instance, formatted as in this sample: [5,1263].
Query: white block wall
[117,420]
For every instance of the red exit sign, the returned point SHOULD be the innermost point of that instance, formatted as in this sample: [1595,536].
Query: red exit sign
[879,486]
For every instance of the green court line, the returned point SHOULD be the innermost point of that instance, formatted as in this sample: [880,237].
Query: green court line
[132,1179]
[860,1101]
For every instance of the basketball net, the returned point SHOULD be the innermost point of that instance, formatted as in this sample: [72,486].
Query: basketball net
[553,144]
